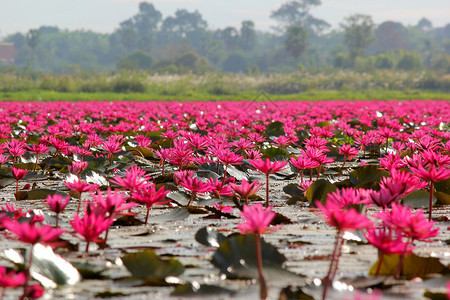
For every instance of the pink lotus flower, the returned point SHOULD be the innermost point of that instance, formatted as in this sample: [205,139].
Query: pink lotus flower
[163,154]
[192,184]
[79,187]
[57,204]
[386,243]
[223,208]
[246,189]
[11,279]
[90,226]
[149,196]
[302,163]
[135,178]
[18,174]
[348,152]
[38,149]
[112,146]
[266,167]
[77,167]
[33,233]
[257,219]
[432,175]
[413,226]
[343,220]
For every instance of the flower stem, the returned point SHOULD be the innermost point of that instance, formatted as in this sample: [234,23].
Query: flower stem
[27,272]
[35,164]
[192,198]
[328,278]
[146,217]
[87,246]
[56,222]
[380,262]
[267,190]
[430,208]
[400,263]
[318,172]
[262,280]
[79,204]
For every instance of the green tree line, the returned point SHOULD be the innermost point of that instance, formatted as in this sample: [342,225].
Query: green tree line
[183,43]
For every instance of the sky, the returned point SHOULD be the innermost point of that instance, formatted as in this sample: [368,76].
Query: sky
[105,15]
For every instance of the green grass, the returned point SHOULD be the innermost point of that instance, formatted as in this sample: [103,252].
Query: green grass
[311,95]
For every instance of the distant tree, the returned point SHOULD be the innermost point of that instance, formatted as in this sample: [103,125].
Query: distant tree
[137,60]
[248,35]
[147,20]
[230,37]
[383,61]
[128,35]
[48,29]
[358,34]
[184,23]
[295,42]
[235,63]
[390,35]
[409,61]
[424,24]
[32,38]
[297,13]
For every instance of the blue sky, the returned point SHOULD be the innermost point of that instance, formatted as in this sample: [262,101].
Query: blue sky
[105,15]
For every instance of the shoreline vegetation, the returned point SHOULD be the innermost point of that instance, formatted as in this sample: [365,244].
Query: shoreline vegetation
[142,86]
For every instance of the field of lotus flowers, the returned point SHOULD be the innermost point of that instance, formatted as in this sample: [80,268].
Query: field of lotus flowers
[221,200]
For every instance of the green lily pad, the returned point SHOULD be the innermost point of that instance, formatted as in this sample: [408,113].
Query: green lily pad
[443,186]
[274,153]
[319,191]
[194,289]
[418,199]
[148,264]
[442,198]
[275,129]
[38,194]
[413,266]
[366,174]
[236,256]
[209,237]
[293,190]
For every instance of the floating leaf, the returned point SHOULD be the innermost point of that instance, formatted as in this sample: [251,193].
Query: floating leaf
[275,129]
[148,264]
[235,256]
[209,237]
[418,199]
[275,152]
[178,197]
[287,293]
[49,266]
[38,194]
[109,294]
[319,191]
[413,266]
[174,215]
[194,289]
[90,271]
[127,221]
[366,174]
[236,173]
[443,186]
[293,190]
[442,198]
[280,219]
[6,181]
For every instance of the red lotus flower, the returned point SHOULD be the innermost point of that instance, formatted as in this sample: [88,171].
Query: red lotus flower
[257,219]
[246,189]
[134,179]
[18,174]
[302,163]
[90,226]
[79,187]
[348,152]
[266,167]
[11,279]
[57,204]
[33,233]
[77,167]
[149,196]
[413,226]
[343,219]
